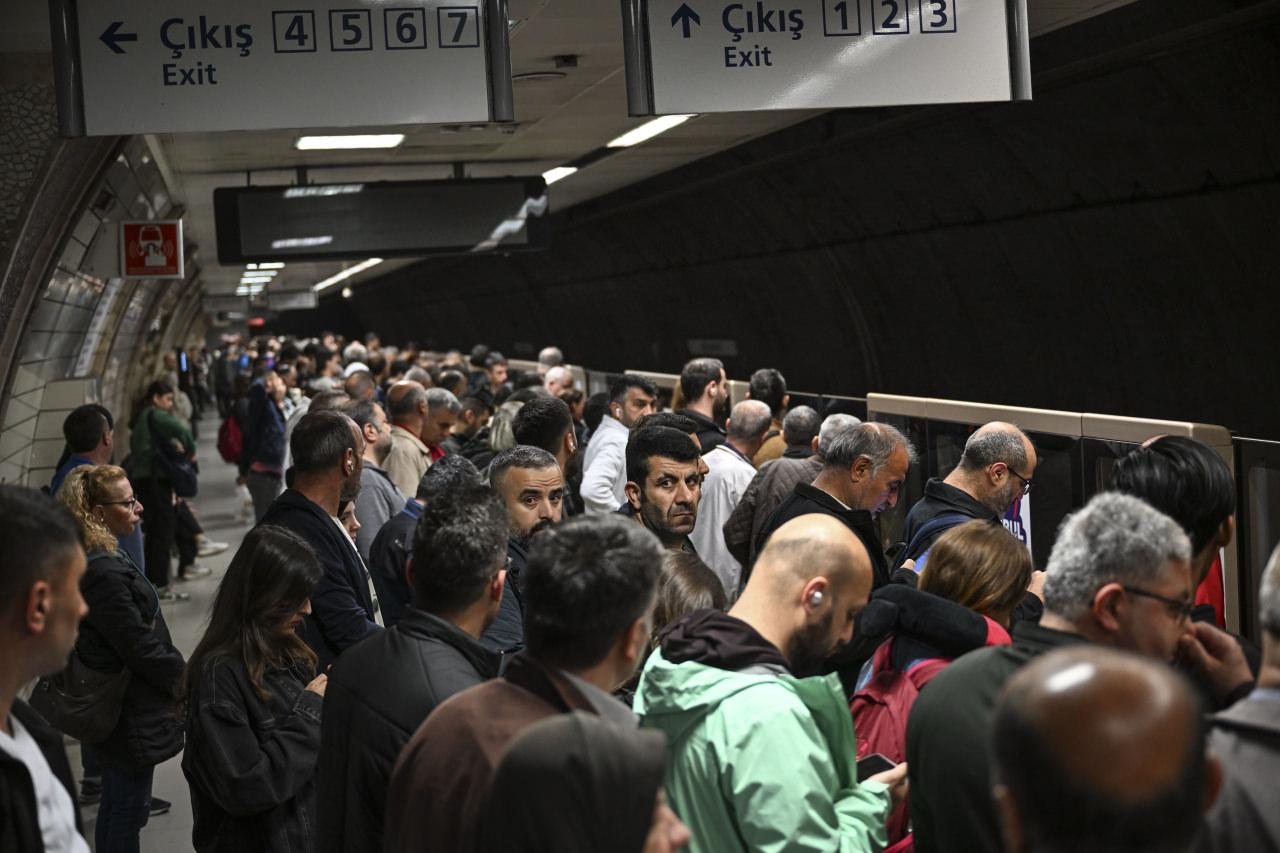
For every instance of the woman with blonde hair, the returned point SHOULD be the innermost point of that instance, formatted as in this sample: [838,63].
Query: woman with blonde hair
[976,574]
[124,630]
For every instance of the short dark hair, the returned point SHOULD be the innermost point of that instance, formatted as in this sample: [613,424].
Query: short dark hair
[801,426]
[453,380]
[494,358]
[359,383]
[542,422]
[1182,478]
[158,388]
[83,428]
[35,533]
[477,404]
[456,548]
[572,396]
[586,582]
[657,441]
[696,375]
[521,456]
[320,439]
[445,475]
[618,390]
[528,380]
[593,411]
[479,353]
[683,423]
[769,387]
[361,411]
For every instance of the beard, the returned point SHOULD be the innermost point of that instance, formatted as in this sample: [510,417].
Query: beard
[350,487]
[524,538]
[720,410]
[663,525]
[811,646]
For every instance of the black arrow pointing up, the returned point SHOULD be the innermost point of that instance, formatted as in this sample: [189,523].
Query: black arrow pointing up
[683,16]
[112,36]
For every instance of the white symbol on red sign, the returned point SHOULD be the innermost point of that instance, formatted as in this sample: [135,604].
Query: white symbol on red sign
[151,249]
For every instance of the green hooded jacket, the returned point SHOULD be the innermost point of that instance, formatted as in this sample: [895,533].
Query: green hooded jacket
[760,761]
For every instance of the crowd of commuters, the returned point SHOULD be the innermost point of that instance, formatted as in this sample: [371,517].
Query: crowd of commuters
[480,610]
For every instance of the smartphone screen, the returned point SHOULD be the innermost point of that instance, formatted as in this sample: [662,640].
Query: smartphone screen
[870,765]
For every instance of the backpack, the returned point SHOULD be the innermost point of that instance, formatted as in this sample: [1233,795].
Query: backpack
[230,440]
[931,529]
[880,708]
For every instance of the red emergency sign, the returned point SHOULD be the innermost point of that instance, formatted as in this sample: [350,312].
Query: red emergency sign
[151,249]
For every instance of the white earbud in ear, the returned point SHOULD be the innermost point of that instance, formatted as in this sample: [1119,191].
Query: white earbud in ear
[815,598]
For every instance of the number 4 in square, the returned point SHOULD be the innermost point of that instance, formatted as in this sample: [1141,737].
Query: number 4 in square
[459,26]
[938,16]
[294,31]
[842,18]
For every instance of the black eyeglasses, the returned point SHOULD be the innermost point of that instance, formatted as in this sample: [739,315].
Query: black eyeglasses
[1179,608]
[129,502]
[1026,484]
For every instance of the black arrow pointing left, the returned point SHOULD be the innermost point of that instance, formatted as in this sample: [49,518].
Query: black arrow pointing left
[112,36]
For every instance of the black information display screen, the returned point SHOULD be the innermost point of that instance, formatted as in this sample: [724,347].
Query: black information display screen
[322,222]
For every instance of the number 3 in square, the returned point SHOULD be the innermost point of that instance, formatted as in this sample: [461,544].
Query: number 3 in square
[937,16]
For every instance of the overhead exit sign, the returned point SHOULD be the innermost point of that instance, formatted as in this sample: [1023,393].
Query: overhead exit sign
[145,66]
[699,56]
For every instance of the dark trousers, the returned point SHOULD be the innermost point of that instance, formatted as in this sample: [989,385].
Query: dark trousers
[89,761]
[159,525]
[185,536]
[125,807]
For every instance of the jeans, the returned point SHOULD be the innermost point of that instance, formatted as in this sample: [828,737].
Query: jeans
[125,807]
[264,488]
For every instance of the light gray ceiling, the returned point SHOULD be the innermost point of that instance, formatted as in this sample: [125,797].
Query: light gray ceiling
[556,122]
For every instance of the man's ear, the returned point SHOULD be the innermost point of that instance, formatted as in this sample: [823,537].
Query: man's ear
[633,495]
[786,402]
[1226,531]
[861,469]
[497,585]
[813,445]
[35,616]
[1010,820]
[637,639]
[1108,603]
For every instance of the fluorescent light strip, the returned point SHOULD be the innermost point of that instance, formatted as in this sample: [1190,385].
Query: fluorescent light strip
[346,274]
[302,242]
[347,142]
[274,265]
[559,172]
[648,131]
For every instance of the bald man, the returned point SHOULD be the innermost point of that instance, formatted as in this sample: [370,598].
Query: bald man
[409,458]
[995,470]
[1100,750]
[760,752]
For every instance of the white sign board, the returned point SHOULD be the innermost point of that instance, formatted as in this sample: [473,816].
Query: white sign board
[292,300]
[192,65]
[699,56]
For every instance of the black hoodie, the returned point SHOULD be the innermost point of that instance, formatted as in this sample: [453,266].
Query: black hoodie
[717,639]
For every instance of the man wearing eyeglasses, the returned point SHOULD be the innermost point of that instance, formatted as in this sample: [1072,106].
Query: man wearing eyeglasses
[1119,575]
[995,470]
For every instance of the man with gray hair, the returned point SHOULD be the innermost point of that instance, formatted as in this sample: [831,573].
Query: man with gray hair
[778,479]
[1119,575]
[1247,739]
[548,358]
[729,470]
[995,470]
[862,473]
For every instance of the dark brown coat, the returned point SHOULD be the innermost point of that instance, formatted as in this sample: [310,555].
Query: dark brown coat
[441,781]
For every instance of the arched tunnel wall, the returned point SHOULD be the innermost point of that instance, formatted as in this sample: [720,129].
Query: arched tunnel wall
[1109,247]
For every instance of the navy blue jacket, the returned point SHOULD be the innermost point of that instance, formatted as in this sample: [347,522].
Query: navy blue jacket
[263,432]
[341,606]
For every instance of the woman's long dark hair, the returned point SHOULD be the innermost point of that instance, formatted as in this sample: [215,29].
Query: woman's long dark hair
[270,577]
[160,387]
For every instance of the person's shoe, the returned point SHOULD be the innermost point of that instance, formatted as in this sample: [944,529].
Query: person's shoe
[193,572]
[159,806]
[90,791]
[167,594]
[207,548]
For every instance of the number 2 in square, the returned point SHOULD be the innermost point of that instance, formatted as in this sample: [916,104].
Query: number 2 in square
[842,18]
[938,16]
[406,28]
[889,17]
[294,32]
[459,26]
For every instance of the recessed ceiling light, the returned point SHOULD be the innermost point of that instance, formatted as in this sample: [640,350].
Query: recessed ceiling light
[346,274]
[553,175]
[648,130]
[534,76]
[350,141]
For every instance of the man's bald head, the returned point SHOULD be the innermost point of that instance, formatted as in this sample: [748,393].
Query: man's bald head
[406,400]
[1099,750]
[806,589]
[997,465]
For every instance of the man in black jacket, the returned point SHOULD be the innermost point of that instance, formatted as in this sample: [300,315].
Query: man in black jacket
[531,486]
[995,470]
[706,399]
[327,448]
[863,471]
[382,690]
[40,608]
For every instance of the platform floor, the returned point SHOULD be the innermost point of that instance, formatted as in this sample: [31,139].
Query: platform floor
[219,514]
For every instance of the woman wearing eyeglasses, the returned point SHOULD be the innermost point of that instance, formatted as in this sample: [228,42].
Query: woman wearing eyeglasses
[124,630]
